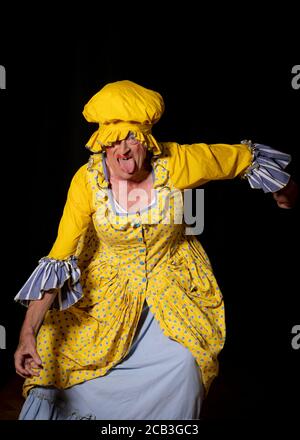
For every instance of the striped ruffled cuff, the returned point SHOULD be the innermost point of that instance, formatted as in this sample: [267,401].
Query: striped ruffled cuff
[63,275]
[266,171]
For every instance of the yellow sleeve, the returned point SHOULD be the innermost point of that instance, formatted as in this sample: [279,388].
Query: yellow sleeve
[76,217]
[193,165]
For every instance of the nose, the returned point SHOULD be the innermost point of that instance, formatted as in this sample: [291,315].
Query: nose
[123,147]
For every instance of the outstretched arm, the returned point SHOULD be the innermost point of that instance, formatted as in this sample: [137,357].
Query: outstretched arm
[193,165]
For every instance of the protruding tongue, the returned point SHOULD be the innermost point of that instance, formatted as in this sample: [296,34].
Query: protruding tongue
[128,165]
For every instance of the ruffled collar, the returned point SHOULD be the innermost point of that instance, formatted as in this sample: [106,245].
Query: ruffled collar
[105,211]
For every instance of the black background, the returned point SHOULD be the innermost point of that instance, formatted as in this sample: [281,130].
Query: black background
[222,82]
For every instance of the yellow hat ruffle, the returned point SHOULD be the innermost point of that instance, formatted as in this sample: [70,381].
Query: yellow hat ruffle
[121,108]
[108,134]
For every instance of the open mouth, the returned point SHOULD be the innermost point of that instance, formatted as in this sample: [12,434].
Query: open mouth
[127,164]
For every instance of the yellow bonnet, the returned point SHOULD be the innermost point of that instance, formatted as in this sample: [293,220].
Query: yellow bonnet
[122,107]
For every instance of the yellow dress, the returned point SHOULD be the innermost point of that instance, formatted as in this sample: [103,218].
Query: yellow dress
[127,259]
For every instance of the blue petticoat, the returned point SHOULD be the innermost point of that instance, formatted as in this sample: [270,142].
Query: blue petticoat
[158,380]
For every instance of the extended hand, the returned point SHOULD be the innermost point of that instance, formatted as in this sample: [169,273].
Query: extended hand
[286,198]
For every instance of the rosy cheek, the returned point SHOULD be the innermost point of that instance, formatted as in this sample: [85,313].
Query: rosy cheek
[109,152]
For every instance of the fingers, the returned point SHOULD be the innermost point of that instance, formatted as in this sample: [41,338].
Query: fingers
[32,367]
[282,201]
[27,361]
[27,364]
[20,366]
[284,205]
[35,358]
[287,197]
[28,370]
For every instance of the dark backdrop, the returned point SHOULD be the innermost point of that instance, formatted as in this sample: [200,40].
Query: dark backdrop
[221,89]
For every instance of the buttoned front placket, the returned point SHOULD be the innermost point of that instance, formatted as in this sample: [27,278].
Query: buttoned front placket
[142,249]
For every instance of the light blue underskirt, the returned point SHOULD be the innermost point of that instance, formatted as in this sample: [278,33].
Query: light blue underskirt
[158,380]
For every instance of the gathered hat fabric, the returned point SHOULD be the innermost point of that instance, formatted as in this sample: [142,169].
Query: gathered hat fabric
[120,108]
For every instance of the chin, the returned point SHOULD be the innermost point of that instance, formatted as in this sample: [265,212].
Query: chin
[126,176]
[123,175]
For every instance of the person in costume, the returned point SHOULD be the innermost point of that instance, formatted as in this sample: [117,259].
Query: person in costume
[125,318]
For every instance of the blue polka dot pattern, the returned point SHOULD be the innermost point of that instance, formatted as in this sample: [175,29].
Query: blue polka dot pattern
[125,259]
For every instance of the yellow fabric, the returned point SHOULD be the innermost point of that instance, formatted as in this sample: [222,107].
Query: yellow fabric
[122,107]
[127,259]
[194,165]
[76,216]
